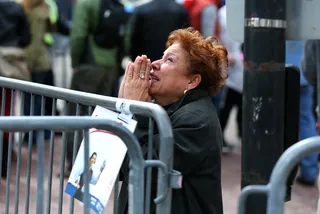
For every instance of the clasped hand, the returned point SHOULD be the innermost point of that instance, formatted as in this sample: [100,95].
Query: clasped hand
[135,84]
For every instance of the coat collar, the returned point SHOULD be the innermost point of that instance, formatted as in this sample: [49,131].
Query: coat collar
[189,97]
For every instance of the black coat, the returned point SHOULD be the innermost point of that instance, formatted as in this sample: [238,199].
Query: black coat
[197,153]
[151,25]
[14,26]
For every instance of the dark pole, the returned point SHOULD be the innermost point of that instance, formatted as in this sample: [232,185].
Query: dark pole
[264,94]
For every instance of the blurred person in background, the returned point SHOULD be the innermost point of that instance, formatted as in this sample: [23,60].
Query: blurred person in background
[192,69]
[204,18]
[60,36]
[92,49]
[298,53]
[234,84]
[96,42]
[311,70]
[14,36]
[62,25]
[42,23]
[152,23]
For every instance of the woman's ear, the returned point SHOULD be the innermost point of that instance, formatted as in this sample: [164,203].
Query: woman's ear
[194,82]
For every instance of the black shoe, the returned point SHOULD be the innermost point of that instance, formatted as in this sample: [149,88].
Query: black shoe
[305,182]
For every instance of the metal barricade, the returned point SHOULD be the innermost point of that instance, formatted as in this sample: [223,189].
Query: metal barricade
[276,188]
[136,177]
[166,180]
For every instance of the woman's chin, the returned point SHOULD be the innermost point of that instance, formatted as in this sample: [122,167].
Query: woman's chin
[152,91]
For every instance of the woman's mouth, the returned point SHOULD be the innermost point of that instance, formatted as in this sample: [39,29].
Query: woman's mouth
[154,78]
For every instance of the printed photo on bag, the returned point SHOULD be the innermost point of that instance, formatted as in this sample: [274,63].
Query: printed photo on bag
[106,154]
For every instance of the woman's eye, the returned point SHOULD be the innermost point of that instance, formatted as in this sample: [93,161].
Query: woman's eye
[169,59]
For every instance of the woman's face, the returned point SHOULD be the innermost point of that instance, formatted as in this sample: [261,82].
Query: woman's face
[93,159]
[169,77]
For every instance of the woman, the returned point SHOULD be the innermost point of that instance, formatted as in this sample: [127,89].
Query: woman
[38,56]
[93,176]
[192,69]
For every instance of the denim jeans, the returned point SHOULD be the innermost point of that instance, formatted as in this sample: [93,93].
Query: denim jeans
[217,99]
[309,165]
[42,77]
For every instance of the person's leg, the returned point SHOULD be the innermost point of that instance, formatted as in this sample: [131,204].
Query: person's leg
[48,79]
[238,102]
[224,116]
[37,77]
[5,141]
[226,109]
[26,112]
[217,99]
[318,207]
[309,165]
[4,158]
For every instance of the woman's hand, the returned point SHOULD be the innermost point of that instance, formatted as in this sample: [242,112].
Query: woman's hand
[135,84]
[77,184]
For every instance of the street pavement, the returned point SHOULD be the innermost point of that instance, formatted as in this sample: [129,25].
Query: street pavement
[304,199]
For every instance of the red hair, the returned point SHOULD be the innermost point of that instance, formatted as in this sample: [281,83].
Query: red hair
[207,57]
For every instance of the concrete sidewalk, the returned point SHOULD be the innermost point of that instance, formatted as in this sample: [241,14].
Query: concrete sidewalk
[303,199]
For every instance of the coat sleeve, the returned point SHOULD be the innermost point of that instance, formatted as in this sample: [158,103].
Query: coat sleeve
[190,146]
[79,31]
[24,29]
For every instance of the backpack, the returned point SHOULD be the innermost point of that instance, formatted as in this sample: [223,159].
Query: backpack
[111,24]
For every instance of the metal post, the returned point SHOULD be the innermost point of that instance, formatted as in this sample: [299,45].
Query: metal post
[263,94]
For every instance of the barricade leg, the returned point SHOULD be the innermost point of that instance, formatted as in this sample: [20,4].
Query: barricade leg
[5,97]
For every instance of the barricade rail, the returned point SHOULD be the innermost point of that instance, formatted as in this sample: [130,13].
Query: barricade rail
[276,188]
[85,101]
[136,176]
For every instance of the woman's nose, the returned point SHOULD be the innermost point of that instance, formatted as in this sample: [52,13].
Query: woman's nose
[155,65]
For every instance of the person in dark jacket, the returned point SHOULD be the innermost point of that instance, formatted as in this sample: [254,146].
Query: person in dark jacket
[14,32]
[151,24]
[15,29]
[192,69]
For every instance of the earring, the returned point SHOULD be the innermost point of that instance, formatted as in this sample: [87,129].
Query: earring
[185,91]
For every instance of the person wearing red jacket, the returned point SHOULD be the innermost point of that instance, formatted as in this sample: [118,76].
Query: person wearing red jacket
[203,16]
